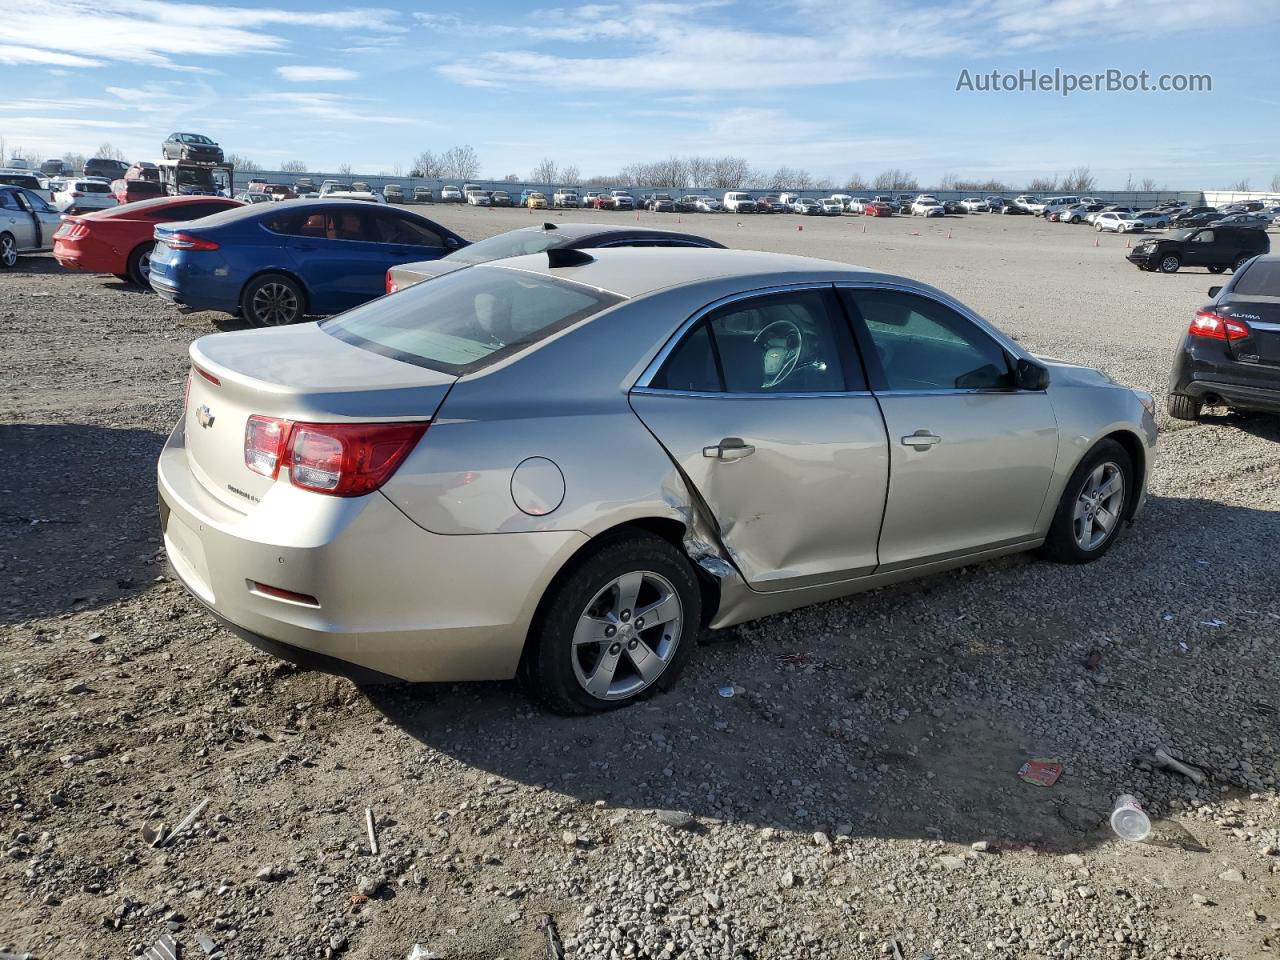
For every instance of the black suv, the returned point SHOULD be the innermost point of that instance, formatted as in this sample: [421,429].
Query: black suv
[1217,248]
[1230,355]
[107,169]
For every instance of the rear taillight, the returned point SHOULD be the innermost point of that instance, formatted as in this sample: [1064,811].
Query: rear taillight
[340,459]
[72,230]
[392,286]
[187,241]
[76,194]
[1210,326]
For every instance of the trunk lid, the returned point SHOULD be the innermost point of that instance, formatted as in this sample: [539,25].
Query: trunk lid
[1262,314]
[295,373]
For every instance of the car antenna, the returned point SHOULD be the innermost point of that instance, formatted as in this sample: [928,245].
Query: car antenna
[568,258]
[549,226]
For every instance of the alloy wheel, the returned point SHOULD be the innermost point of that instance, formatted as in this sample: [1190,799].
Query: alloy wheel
[627,635]
[274,304]
[1098,506]
[8,251]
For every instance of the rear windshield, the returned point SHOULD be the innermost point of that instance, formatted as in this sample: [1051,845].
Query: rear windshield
[1262,279]
[513,244]
[463,320]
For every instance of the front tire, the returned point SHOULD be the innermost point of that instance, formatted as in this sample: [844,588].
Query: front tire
[272,300]
[1183,408]
[618,626]
[1093,507]
[1240,262]
[1170,264]
[1216,269]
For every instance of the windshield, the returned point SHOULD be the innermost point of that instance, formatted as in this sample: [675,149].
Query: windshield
[194,177]
[462,320]
[515,243]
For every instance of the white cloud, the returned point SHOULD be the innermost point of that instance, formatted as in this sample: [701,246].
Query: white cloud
[328,106]
[155,32]
[11,54]
[316,74]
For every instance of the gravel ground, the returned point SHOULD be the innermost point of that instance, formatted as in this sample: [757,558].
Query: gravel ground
[856,798]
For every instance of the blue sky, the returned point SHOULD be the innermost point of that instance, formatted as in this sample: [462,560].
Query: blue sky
[833,86]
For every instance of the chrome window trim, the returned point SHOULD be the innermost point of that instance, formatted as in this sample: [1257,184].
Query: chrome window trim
[646,378]
[1263,325]
[708,395]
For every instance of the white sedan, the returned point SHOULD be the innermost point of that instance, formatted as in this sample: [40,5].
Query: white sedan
[831,207]
[1153,219]
[926,206]
[974,204]
[77,196]
[858,205]
[1118,222]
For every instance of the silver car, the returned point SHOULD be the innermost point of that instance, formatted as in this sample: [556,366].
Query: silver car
[569,464]
[27,223]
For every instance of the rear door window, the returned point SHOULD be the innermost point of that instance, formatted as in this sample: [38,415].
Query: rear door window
[389,228]
[1262,279]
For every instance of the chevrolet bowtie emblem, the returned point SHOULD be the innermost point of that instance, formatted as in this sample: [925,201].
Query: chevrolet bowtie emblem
[205,416]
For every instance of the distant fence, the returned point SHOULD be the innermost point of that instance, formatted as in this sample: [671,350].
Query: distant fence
[1138,198]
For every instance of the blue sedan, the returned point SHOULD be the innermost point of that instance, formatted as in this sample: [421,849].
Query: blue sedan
[275,264]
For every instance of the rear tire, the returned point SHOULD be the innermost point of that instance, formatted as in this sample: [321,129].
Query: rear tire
[1170,264]
[563,668]
[8,251]
[1182,407]
[272,300]
[140,265]
[1241,261]
[1079,533]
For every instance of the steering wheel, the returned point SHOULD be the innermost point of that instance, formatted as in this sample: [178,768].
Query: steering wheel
[781,354]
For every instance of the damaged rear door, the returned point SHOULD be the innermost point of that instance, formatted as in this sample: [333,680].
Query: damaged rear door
[762,404]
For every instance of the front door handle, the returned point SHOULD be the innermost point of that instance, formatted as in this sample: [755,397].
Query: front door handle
[921,440]
[730,448]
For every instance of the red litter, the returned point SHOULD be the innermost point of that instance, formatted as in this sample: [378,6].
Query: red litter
[1040,772]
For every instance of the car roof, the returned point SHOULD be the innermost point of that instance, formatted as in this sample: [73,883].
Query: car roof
[252,210]
[639,271]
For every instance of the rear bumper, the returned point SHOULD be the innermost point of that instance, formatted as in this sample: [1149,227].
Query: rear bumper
[1237,395]
[393,598]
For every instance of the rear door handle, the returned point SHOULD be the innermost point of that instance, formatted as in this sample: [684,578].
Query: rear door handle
[921,440]
[730,448]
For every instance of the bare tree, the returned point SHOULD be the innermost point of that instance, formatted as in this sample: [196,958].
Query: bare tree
[242,164]
[344,169]
[545,172]
[1147,184]
[461,162]
[512,178]
[1275,183]
[570,174]
[949,181]
[294,166]
[75,161]
[855,182]
[1240,186]
[895,179]
[1078,180]
[1043,184]
[107,152]
[697,171]
[428,165]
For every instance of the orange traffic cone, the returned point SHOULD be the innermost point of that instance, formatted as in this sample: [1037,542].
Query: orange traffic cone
[1128,243]
[1095,242]
[864,228]
[948,234]
[799,226]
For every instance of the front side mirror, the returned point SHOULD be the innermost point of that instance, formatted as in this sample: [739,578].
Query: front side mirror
[1030,375]
[450,243]
[1214,291]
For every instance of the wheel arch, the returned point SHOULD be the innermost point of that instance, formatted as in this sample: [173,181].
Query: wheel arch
[671,530]
[1137,452]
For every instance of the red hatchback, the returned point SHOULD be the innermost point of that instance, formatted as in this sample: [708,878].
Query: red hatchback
[119,240]
[878,209]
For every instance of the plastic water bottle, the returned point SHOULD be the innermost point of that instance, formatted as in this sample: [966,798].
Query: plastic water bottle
[1128,819]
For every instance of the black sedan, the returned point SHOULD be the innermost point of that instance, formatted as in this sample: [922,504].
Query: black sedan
[1230,355]
[539,239]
